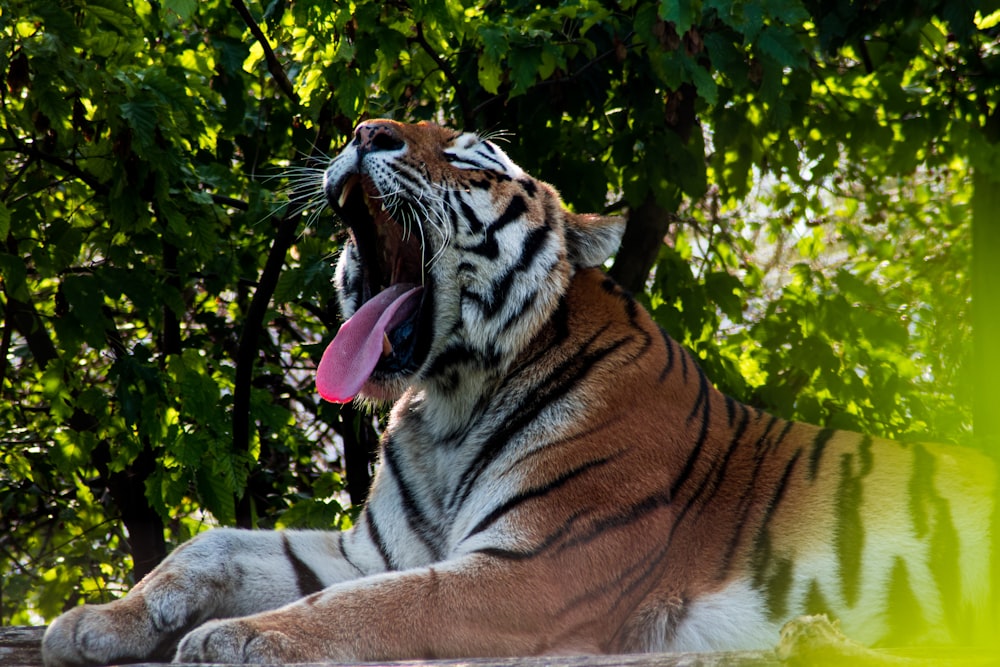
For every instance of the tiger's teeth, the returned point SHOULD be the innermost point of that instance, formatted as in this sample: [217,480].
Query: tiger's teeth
[386,346]
[343,197]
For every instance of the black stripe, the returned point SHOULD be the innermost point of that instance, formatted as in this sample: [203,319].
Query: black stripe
[631,514]
[734,444]
[428,531]
[459,354]
[944,565]
[469,215]
[650,565]
[700,401]
[761,547]
[527,304]
[905,619]
[569,440]
[488,247]
[489,158]
[536,492]
[347,559]
[559,323]
[781,436]
[454,204]
[631,307]
[778,586]
[481,183]
[819,444]
[767,431]
[865,457]
[944,553]
[460,161]
[711,482]
[850,529]
[669,344]
[642,568]
[559,382]
[730,409]
[409,188]
[377,540]
[306,578]
[779,581]
[500,290]
[920,487]
[532,552]
[779,493]
[815,602]
[411,181]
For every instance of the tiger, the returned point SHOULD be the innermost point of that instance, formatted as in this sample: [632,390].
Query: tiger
[557,476]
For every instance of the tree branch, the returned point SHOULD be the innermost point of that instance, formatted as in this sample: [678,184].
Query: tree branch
[68,167]
[247,348]
[468,114]
[273,66]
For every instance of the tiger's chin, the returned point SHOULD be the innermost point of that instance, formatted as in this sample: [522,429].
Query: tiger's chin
[384,391]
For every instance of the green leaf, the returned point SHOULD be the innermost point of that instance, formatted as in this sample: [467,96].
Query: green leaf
[141,117]
[490,74]
[724,290]
[86,300]
[524,65]
[495,44]
[112,15]
[682,13]
[702,79]
[289,286]
[216,491]
[781,44]
[787,12]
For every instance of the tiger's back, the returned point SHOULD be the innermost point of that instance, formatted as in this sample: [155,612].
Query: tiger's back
[557,475]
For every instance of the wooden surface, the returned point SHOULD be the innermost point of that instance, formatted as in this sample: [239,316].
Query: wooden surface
[20,647]
[806,642]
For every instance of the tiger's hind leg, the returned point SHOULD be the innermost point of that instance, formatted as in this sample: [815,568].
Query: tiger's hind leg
[219,574]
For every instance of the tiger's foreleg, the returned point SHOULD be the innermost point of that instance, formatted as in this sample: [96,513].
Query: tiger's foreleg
[473,606]
[219,574]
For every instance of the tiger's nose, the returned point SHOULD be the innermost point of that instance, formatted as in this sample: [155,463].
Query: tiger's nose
[375,135]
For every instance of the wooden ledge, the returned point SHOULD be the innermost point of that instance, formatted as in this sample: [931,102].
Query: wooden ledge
[806,642]
[21,647]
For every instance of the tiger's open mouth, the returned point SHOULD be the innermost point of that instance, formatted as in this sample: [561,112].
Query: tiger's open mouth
[386,335]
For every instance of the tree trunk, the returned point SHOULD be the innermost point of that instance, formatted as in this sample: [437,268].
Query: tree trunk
[647,225]
[360,447]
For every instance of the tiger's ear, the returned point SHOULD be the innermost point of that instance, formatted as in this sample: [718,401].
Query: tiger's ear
[591,238]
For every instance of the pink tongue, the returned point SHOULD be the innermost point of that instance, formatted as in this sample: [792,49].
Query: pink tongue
[352,354]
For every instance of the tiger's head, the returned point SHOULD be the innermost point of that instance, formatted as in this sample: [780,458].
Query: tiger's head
[454,261]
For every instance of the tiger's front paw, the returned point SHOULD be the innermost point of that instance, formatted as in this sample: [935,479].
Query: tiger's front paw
[236,641]
[97,635]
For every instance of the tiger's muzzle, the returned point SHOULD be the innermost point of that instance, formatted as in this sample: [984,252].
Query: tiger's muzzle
[387,337]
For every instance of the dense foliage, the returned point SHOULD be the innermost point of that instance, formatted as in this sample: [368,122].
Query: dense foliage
[798,177]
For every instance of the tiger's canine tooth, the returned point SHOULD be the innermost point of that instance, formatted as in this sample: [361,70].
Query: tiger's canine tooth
[346,190]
